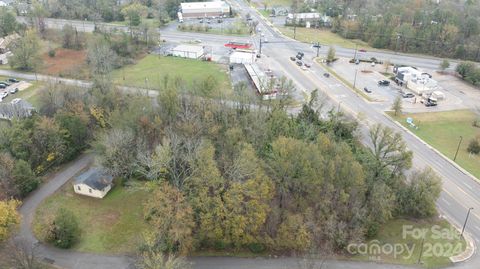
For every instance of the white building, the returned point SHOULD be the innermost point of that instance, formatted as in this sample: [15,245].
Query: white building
[17,108]
[188,51]
[204,9]
[242,57]
[94,183]
[418,82]
[312,19]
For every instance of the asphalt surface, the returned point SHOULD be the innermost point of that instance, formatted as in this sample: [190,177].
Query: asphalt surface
[460,191]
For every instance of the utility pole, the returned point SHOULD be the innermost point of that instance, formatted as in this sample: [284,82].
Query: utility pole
[318,49]
[465,224]
[421,251]
[355,79]
[260,50]
[355,54]
[458,147]
[396,45]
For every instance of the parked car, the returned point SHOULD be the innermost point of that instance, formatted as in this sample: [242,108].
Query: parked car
[13,80]
[384,83]
[301,54]
[304,67]
[299,63]
[327,75]
[408,95]
[293,58]
[357,61]
[3,94]
[367,90]
[3,86]
[362,50]
[307,65]
[317,46]
[14,90]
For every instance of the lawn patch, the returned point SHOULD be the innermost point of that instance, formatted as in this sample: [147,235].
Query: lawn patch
[66,63]
[325,37]
[441,241]
[150,71]
[110,225]
[442,130]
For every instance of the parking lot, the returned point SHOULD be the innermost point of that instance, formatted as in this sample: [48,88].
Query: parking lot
[10,87]
[368,76]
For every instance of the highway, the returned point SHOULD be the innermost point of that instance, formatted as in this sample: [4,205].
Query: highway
[460,191]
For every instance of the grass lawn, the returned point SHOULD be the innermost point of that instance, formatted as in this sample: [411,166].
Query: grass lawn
[155,68]
[110,225]
[442,130]
[325,37]
[441,242]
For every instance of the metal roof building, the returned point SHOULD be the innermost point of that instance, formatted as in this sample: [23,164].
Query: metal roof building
[188,51]
[204,9]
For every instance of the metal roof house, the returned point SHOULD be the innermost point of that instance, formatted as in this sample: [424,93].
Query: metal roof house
[95,182]
[17,108]
[204,9]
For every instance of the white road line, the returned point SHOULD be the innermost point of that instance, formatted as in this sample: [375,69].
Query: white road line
[445,201]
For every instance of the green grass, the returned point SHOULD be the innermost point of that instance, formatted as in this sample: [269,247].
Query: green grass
[442,130]
[444,236]
[325,37]
[153,22]
[110,225]
[154,68]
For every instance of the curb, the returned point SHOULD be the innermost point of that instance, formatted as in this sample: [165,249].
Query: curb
[461,169]
[470,248]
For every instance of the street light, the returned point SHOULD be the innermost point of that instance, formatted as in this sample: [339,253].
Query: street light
[458,147]
[355,79]
[338,107]
[465,224]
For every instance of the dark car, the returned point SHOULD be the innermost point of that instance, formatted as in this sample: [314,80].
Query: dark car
[384,83]
[408,95]
[367,90]
[299,63]
[3,86]
[293,58]
[362,50]
[327,75]
[307,65]
[13,80]
[430,103]
[5,83]
[316,45]
[301,54]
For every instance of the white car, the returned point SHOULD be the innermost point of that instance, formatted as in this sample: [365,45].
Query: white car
[3,94]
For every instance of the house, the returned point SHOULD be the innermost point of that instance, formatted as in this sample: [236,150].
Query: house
[204,9]
[5,42]
[188,51]
[95,182]
[17,108]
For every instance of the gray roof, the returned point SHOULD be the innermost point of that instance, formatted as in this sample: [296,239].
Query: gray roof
[96,178]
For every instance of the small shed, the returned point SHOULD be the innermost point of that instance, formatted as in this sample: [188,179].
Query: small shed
[242,57]
[188,51]
[95,182]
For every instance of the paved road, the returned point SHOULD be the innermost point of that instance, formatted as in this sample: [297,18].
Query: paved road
[460,191]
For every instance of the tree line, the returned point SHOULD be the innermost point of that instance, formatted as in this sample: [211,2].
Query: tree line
[447,29]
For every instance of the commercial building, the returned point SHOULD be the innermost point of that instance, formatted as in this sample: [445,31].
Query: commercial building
[261,81]
[418,82]
[188,51]
[204,9]
[243,57]
[308,20]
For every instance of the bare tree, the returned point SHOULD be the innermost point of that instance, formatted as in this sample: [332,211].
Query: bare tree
[22,254]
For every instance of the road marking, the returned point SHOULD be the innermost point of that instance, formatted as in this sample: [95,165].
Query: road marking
[445,201]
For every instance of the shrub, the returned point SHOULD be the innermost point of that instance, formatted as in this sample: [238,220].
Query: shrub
[474,146]
[256,247]
[64,230]
[25,179]
[51,53]
[219,245]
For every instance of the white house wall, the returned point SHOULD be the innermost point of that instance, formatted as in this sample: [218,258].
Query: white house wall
[85,190]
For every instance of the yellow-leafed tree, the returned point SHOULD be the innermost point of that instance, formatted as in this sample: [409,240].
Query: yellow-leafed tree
[9,217]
